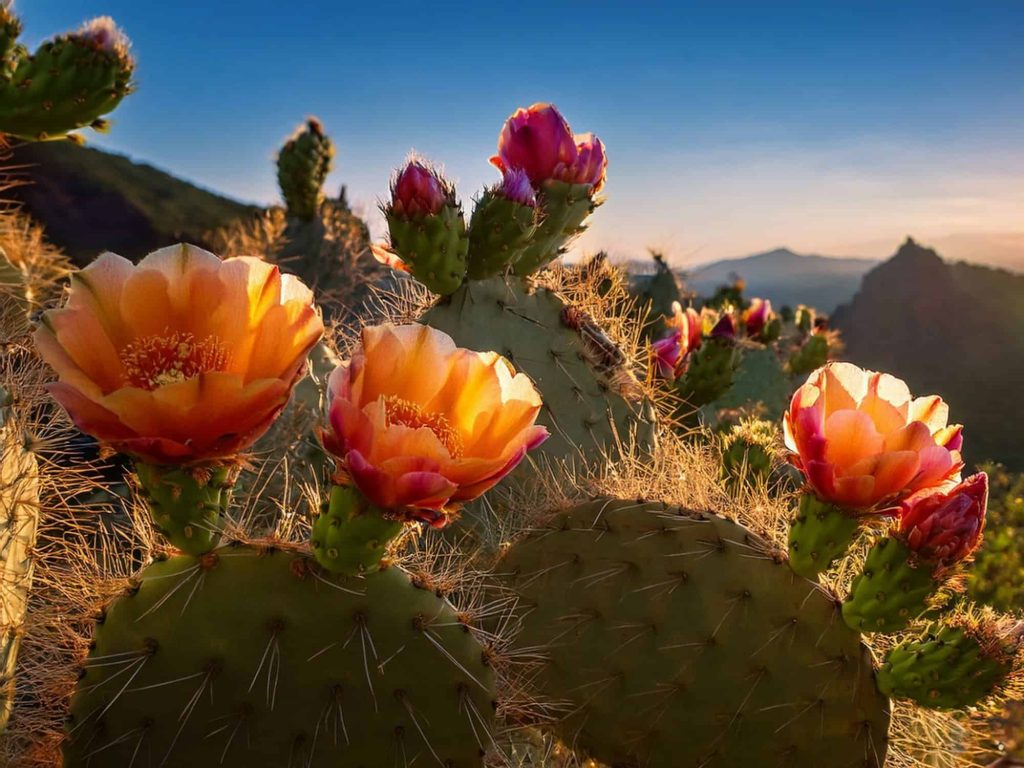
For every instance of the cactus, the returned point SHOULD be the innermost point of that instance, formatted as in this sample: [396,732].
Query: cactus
[659,292]
[577,370]
[760,383]
[810,356]
[672,645]
[748,452]
[303,670]
[19,520]
[302,167]
[68,83]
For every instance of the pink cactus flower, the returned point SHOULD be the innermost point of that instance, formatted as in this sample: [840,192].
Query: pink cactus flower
[670,355]
[539,141]
[757,316]
[945,526]
[864,443]
[418,190]
[591,163]
[725,328]
[103,34]
[515,186]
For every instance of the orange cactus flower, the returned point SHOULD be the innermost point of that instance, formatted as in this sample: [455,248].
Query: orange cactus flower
[182,359]
[418,424]
[863,442]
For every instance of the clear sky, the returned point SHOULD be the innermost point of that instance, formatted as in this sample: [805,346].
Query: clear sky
[835,127]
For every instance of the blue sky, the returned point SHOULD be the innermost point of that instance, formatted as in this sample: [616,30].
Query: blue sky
[731,127]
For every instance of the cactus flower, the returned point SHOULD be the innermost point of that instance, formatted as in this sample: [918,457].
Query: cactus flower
[182,358]
[725,327]
[539,141]
[103,34]
[591,163]
[864,443]
[418,424]
[418,189]
[757,316]
[515,186]
[670,354]
[945,526]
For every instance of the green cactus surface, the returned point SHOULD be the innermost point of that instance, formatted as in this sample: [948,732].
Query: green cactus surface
[583,409]
[187,504]
[563,209]
[761,382]
[945,669]
[498,233]
[660,292]
[810,356]
[892,589]
[250,658]
[819,535]
[710,374]
[68,83]
[434,246]
[670,639]
[302,166]
[351,535]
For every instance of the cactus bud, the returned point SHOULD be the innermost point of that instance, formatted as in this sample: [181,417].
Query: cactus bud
[591,163]
[757,316]
[945,527]
[725,328]
[515,186]
[539,141]
[427,228]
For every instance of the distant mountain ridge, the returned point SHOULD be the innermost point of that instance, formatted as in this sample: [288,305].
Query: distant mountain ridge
[90,201]
[786,277]
[952,329]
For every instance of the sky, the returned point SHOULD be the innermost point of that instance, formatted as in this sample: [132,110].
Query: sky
[731,128]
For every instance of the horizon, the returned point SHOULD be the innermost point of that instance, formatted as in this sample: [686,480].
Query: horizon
[836,132]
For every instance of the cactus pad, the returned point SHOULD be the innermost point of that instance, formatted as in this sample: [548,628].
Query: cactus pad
[819,535]
[892,589]
[251,658]
[583,410]
[563,209]
[673,641]
[760,381]
[434,247]
[499,231]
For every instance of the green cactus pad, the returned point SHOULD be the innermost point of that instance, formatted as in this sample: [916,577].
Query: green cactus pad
[819,535]
[891,591]
[302,166]
[350,535]
[809,357]
[498,232]
[760,380]
[435,247]
[186,505]
[670,640]
[583,410]
[660,292]
[70,82]
[563,208]
[946,669]
[251,658]
[710,374]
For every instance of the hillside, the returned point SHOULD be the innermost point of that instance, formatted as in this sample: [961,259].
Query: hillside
[91,201]
[952,329]
[786,277]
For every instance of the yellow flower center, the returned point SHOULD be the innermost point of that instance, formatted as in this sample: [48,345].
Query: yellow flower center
[400,411]
[154,361]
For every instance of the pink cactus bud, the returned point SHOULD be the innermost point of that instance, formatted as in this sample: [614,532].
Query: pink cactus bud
[537,140]
[515,186]
[695,327]
[725,328]
[417,190]
[102,33]
[591,162]
[667,355]
[757,316]
[945,526]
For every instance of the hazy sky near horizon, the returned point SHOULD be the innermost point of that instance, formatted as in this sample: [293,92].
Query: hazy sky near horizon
[731,127]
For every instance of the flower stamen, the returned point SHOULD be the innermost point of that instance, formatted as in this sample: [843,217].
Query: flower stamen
[409,414]
[168,358]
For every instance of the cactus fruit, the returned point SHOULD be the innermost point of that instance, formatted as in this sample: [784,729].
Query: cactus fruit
[819,535]
[563,207]
[575,372]
[250,658]
[302,166]
[949,667]
[351,535]
[68,83]
[500,230]
[670,642]
[891,591]
[19,520]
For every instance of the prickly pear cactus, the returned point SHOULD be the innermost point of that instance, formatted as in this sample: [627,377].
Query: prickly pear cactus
[302,166]
[19,520]
[253,658]
[761,381]
[575,372]
[660,292]
[68,83]
[672,639]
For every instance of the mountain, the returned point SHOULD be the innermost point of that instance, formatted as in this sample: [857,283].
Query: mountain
[952,329]
[786,277]
[91,201]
